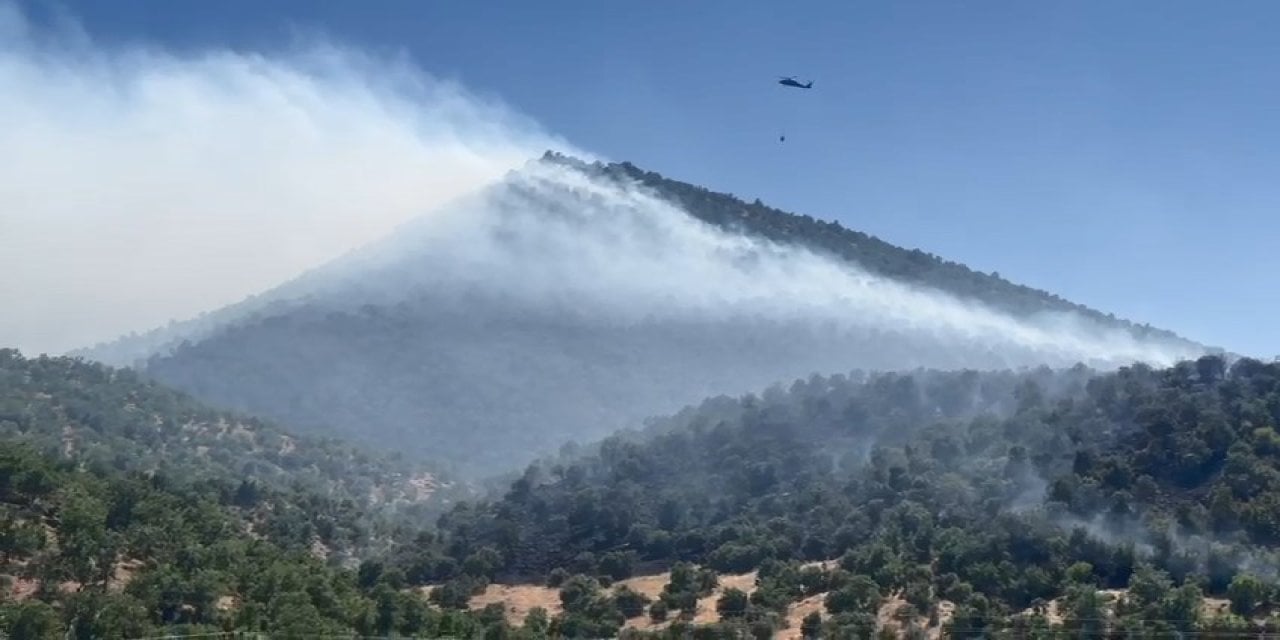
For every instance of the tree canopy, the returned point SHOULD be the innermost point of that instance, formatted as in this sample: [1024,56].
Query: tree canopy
[995,492]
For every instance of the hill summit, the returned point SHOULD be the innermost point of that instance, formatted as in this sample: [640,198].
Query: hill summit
[572,299]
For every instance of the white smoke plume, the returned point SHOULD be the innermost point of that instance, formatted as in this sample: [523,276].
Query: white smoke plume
[139,185]
[552,232]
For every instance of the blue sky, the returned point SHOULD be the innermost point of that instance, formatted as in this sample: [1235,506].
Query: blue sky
[1122,155]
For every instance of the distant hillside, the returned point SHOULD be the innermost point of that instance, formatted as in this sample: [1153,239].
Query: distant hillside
[128,509]
[725,211]
[109,420]
[1005,503]
[571,300]
[106,554]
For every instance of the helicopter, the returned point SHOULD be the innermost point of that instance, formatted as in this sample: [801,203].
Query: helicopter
[790,81]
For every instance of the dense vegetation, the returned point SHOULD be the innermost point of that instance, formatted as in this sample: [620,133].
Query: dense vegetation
[127,508]
[995,492]
[108,420]
[998,503]
[984,502]
[114,555]
[484,385]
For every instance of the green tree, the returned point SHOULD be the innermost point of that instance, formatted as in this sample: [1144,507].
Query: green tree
[94,614]
[658,611]
[1080,573]
[630,603]
[733,603]
[1247,593]
[618,565]
[860,595]
[33,619]
[578,593]
[536,622]
[811,625]
[557,577]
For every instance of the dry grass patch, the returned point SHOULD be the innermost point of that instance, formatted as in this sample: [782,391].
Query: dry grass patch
[650,586]
[518,600]
[707,613]
[797,612]
[946,612]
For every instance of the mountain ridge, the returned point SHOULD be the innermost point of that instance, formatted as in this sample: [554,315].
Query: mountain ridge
[721,209]
[571,300]
[733,212]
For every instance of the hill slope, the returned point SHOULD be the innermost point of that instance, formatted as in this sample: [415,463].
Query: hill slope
[102,554]
[127,509]
[876,256]
[106,420]
[571,300]
[992,493]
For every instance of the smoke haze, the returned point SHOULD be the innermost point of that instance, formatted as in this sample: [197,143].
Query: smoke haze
[566,302]
[146,186]
[386,259]
[139,185]
[554,233]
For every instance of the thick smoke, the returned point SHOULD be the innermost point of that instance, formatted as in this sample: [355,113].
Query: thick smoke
[139,185]
[472,305]
[565,302]
[142,185]
[607,246]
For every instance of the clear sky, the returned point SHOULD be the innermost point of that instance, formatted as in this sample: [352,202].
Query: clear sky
[1123,155]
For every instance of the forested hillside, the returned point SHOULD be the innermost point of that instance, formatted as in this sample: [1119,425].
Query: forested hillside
[100,554]
[108,420]
[127,508]
[916,503]
[996,501]
[484,386]
[569,301]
